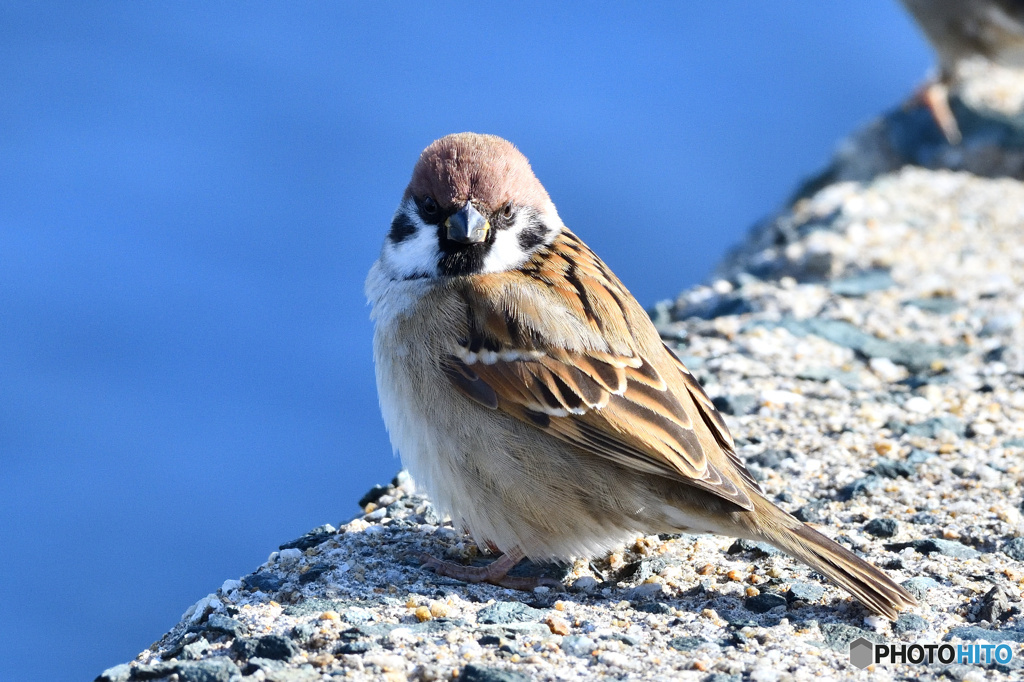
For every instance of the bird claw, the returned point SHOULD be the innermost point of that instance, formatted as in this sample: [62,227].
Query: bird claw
[494,573]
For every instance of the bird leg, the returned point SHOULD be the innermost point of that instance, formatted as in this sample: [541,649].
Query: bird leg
[495,573]
[934,96]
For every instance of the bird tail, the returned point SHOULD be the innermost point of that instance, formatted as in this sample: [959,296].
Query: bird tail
[869,584]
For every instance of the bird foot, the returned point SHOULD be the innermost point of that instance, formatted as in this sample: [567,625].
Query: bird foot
[934,96]
[495,573]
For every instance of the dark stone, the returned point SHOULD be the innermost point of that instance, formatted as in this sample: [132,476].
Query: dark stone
[687,643]
[276,647]
[228,626]
[479,673]
[314,572]
[353,647]
[930,428]
[723,677]
[263,581]
[916,357]
[119,673]
[994,605]
[578,645]
[244,648]
[738,405]
[639,571]
[312,538]
[862,486]
[654,607]
[764,602]
[758,548]
[838,636]
[770,458]
[489,640]
[908,622]
[808,592]
[882,528]
[217,669]
[372,495]
[1013,548]
[973,633]
[919,586]
[924,518]
[505,612]
[932,545]
[154,671]
[717,306]
[862,283]
[303,632]
[940,305]
[890,468]
[812,512]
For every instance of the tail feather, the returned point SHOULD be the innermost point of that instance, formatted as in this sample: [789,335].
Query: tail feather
[867,583]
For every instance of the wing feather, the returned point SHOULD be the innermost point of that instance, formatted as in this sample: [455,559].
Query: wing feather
[561,349]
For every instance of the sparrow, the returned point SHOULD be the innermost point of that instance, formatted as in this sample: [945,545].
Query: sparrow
[966,34]
[531,397]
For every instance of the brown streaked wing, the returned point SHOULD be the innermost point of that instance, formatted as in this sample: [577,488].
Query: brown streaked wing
[612,402]
[715,422]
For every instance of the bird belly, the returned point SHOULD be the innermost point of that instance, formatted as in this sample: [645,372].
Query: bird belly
[505,482]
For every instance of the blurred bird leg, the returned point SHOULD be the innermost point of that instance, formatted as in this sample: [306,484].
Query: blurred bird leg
[934,96]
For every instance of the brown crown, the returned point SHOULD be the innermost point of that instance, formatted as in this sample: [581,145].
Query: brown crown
[485,168]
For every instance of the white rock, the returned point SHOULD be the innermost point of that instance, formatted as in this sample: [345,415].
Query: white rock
[918,404]
[981,428]
[376,514]
[399,635]
[876,623]
[886,369]
[230,585]
[763,674]
[614,658]
[289,555]
[586,583]
[470,650]
[778,397]
[208,603]
[387,662]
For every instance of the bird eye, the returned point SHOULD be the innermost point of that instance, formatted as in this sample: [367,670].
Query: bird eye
[507,211]
[429,206]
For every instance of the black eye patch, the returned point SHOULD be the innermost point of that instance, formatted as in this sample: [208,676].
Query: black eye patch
[534,234]
[402,227]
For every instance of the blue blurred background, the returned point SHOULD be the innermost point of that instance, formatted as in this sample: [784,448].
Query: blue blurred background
[191,195]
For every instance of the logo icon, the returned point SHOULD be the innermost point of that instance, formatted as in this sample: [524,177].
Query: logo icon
[861,653]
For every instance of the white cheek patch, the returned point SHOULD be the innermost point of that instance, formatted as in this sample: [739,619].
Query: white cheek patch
[505,253]
[508,251]
[417,255]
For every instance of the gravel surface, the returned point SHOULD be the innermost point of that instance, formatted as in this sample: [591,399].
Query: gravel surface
[867,347]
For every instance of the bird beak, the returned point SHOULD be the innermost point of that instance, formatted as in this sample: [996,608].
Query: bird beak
[467,226]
